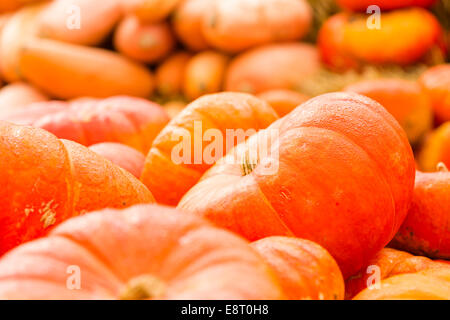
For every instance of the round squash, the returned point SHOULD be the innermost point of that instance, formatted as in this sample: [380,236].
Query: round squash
[436,82]
[436,149]
[339,164]
[170,74]
[144,252]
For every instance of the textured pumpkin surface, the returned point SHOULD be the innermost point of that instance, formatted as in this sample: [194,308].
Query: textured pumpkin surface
[305,269]
[283,101]
[362,5]
[341,165]
[170,180]
[131,121]
[147,43]
[426,229]
[170,74]
[236,25]
[390,262]
[18,95]
[436,82]
[436,149]
[97,20]
[144,252]
[69,71]
[345,41]
[46,181]
[431,284]
[275,66]
[121,155]
[404,99]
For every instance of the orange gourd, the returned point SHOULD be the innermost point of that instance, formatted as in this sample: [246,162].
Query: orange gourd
[144,252]
[283,101]
[338,170]
[170,74]
[436,149]
[131,121]
[274,66]
[46,181]
[306,270]
[150,11]
[121,155]
[170,172]
[436,82]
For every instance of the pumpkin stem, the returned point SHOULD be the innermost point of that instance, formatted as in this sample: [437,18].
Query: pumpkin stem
[441,167]
[247,165]
[142,288]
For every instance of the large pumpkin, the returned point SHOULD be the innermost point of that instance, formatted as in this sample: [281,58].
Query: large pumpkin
[338,170]
[306,270]
[426,229]
[170,171]
[145,252]
[46,181]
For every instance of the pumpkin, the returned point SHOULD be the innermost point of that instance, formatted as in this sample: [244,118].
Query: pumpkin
[283,101]
[10,5]
[426,229]
[275,66]
[204,74]
[131,121]
[337,165]
[82,22]
[18,95]
[436,82]
[47,180]
[390,262]
[121,155]
[170,74]
[237,25]
[147,43]
[345,41]
[404,99]
[70,71]
[150,11]
[188,23]
[431,284]
[305,269]
[171,171]
[144,252]
[436,149]
[362,5]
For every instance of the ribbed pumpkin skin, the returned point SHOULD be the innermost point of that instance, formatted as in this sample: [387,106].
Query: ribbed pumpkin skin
[180,256]
[436,82]
[306,270]
[431,284]
[390,262]
[46,181]
[131,121]
[426,229]
[168,180]
[343,167]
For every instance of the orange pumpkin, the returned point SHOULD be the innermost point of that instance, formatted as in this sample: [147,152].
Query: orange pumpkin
[70,71]
[145,252]
[283,101]
[362,5]
[404,99]
[131,121]
[426,229]
[431,284]
[47,180]
[121,155]
[436,149]
[170,171]
[388,263]
[150,11]
[18,95]
[339,164]
[346,42]
[83,22]
[306,270]
[275,66]
[237,25]
[436,82]
[147,43]
[204,74]
[170,74]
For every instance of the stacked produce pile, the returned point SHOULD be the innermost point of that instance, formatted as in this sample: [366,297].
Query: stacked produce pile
[224,149]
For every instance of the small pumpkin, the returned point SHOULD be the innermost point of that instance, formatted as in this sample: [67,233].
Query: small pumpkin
[436,149]
[283,101]
[306,270]
[170,74]
[144,252]
[325,170]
